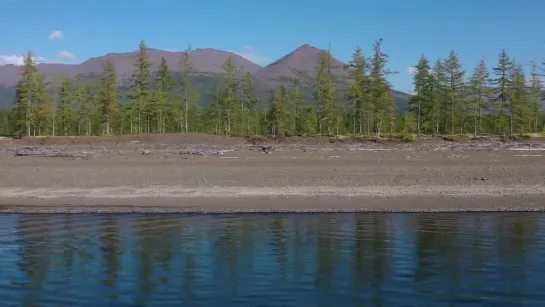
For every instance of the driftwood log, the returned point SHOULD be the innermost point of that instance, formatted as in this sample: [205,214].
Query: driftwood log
[48,153]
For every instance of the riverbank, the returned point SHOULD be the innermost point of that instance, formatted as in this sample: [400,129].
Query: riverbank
[214,174]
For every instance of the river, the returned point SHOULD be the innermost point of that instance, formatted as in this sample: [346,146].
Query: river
[377,259]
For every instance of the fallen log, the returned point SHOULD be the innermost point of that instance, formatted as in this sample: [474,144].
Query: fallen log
[48,153]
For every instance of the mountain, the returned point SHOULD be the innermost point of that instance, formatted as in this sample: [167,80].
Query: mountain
[301,63]
[204,61]
[207,64]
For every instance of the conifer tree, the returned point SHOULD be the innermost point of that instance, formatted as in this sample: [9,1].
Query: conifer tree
[186,71]
[455,90]
[519,106]
[383,107]
[163,87]
[80,101]
[25,94]
[421,102]
[298,103]
[502,83]
[108,99]
[228,99]
[44,107]
[479,93]
[65,110]
[359,90]
[91,112]
[439,108]
[140,89]
[279,105]
[535,96]
[326,103]
[251,100]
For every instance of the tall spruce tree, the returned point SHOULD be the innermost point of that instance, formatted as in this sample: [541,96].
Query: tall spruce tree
[140,90]
[479,93]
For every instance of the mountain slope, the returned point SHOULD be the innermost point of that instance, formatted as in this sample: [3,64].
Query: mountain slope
[204,61]
[302,63]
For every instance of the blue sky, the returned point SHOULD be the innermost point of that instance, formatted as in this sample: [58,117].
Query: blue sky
[264,31]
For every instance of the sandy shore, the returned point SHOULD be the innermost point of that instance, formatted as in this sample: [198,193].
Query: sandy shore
[234,176]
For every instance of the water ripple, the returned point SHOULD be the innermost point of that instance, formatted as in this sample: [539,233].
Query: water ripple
[273,259]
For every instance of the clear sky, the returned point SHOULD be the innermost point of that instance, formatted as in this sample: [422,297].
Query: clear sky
[264,31]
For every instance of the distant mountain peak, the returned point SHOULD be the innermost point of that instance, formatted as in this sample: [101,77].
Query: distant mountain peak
[300,63]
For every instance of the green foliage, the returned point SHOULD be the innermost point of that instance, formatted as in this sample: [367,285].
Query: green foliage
[155,102]
[422,103]
[502,84]
[455,92]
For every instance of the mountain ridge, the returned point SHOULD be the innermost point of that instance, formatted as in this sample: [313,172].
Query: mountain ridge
[207,63]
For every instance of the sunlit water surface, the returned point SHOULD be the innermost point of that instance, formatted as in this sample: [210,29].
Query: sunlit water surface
[273,260]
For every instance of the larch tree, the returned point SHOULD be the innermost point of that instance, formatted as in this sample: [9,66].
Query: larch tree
[25,94]
[228,99]
[382,105]
[298,104]
[140,89]
[479,93]
[163,83]
[535,96]
[186,70]
[44,107]
[108,99]
[251,101]
[80,101]
[439,108]
[65,110]
[359,90]
[502,83]
[91,112]
[519,108]
[279,105]
[422,100]
[455,90]
[326,103]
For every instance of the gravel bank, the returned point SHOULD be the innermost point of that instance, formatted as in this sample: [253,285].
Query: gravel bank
[136,176]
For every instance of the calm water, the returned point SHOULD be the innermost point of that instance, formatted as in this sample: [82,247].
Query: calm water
[272,260]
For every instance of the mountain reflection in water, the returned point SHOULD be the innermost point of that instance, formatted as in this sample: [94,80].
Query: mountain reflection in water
[270,259]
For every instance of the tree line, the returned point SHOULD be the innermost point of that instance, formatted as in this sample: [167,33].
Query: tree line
[505,101]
